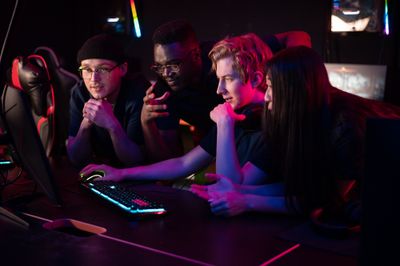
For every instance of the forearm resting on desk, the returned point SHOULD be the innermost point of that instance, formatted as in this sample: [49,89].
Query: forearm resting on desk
[165,170]
[273,189]
[270,204]
[265,198]
[234,203]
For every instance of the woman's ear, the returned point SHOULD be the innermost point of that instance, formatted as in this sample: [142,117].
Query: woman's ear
[257,79]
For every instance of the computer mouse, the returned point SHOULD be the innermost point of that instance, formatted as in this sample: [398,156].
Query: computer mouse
[92,176]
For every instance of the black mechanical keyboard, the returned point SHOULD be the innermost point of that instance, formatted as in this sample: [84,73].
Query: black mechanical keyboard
[124,198]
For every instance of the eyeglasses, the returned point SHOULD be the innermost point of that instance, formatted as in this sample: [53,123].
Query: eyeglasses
[174,66]
[87,72]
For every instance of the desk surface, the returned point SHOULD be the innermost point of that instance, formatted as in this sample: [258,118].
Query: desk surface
[188,235]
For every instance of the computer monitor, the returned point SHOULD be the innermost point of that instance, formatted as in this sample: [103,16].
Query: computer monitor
[367,81]
[20,128]
[357,15]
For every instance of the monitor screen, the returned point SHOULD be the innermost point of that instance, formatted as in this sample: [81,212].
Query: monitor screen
[18,122]
[356,15]
[367,81]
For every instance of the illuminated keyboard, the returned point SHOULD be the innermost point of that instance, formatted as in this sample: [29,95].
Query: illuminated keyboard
[124,198]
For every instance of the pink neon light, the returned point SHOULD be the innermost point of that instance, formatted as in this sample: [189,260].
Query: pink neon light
[277,257]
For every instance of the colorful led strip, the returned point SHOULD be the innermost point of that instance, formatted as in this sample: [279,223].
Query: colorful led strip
[135,19]
[386,17]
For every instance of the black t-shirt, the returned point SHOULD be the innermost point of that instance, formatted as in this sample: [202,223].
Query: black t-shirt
[248,135]
[127,110]
[345,149]
[192,104]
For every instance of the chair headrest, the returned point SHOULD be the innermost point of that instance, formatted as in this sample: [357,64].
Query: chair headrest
[29,74]
[59,76]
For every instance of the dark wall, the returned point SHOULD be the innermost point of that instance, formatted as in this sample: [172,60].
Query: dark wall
[64,25]
[216,19]
[371,48]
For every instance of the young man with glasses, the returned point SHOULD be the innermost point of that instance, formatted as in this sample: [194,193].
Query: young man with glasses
[186,88]
[105,107]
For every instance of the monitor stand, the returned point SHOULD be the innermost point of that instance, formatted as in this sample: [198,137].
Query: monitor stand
[13,218]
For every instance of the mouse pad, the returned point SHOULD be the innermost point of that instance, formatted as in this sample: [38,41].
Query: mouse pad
[306,235]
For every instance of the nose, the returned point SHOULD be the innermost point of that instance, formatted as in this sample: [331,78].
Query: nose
[95,76]
[221,87]
[166,71]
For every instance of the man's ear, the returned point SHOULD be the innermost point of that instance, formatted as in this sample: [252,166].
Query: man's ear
[256,79]
[124,68]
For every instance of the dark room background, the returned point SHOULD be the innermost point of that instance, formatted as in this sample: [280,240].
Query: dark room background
[65,25]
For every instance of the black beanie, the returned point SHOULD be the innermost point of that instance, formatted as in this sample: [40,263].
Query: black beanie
[102,46]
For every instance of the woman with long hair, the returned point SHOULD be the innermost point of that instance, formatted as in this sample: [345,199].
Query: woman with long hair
[312,149]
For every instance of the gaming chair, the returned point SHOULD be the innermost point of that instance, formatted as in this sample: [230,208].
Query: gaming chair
[48,86]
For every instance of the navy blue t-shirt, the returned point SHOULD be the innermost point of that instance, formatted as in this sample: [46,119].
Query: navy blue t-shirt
[127,110]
